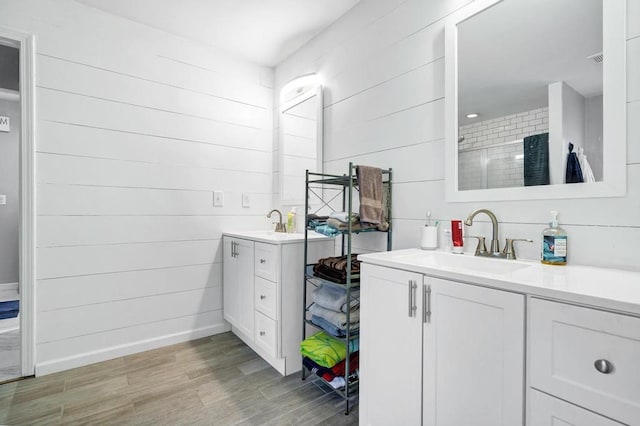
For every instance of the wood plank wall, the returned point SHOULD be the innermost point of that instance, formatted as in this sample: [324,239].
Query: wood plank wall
[135,129]
[382,66]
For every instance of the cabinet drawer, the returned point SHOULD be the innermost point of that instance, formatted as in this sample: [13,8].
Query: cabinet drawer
[265,295]
[545,410]
[266,261]
[267,334]
[568,341]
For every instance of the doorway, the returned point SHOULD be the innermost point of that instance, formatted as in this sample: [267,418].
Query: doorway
[16,206]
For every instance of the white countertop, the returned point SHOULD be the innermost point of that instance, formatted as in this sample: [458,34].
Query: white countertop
[272,237]
[600,287]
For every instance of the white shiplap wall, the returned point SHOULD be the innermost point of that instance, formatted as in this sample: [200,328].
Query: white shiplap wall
[382,67]
[135,129]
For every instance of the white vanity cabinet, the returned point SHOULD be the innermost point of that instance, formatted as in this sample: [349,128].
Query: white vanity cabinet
[262,290]
[587,357]
[439,352]
[465,316]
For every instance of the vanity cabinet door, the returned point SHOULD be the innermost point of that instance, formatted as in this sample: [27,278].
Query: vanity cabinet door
[473,371]
[238,300]
[390,346]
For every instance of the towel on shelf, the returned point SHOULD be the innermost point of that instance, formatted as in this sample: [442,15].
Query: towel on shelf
[326,350]
[339,319]
[333,329]
[335,298]
[356,226]
[338,277]
[337,370]
[370,183]
[327,230]
[342,217]
[339,263]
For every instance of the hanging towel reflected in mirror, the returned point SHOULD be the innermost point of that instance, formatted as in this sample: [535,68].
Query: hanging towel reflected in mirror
[574,172]
[536,159]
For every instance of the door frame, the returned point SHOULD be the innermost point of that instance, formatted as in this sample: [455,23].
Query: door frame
[26,44]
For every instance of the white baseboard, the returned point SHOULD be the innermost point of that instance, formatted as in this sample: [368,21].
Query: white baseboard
[87,358]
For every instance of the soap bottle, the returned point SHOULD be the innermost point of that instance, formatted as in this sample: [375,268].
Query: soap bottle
[554,243]
[291,220]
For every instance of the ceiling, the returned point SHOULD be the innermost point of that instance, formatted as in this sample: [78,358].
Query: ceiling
[509,53]
[261,31]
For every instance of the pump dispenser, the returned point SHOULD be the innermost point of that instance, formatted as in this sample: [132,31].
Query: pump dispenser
[291,220]
[554,243]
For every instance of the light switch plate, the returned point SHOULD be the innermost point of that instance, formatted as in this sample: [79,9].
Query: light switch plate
[3,200]
[246,200]
[218,198]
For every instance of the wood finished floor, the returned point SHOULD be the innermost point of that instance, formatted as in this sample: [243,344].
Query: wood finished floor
[216,380]
[9,354]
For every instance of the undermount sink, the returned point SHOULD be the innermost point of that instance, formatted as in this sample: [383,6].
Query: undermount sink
[275,237]
[467,262]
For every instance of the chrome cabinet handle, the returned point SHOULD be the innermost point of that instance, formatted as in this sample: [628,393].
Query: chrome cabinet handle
[412,306]
[262,333]
[263,261]
[233,249]
[262,297]
[426,304]
[603,366]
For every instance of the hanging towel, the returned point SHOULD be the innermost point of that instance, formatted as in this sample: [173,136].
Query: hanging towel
[370,183]
[536,160]
[587,173]
[574,172]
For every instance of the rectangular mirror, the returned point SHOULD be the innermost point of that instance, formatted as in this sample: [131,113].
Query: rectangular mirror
[300,138]
[528,83]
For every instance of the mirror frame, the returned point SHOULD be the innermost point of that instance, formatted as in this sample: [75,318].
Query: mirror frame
[308,93]
[614,183]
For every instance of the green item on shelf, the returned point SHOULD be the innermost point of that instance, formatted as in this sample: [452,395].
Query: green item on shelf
[325,350]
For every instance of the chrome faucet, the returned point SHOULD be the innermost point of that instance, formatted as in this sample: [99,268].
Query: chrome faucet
[495,243]
[280,227]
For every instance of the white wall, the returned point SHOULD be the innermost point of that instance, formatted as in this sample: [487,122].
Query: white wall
[382,66]
[10,186]
[135,129]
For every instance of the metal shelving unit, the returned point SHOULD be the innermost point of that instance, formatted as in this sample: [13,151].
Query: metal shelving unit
[326,189]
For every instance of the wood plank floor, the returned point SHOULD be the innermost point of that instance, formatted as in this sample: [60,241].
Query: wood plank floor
[216,380]
[9,352]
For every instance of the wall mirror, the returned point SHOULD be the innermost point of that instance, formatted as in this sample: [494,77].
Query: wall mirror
[300,136]
[520,91]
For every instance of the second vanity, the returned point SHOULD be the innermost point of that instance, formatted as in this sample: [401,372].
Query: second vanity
[461,340]
[263,272]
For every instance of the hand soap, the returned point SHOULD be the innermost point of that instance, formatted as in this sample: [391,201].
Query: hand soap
[554,243]
[291,220]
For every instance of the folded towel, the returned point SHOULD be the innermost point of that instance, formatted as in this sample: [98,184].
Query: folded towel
[342,216]
[370,183]
[333,329]
[335,298]
[327,230]
[326,350]
[339,319]
[338,277]
[335,371]
[339,263]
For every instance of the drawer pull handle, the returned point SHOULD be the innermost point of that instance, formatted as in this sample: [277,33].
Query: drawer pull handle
[262,297]
[263,261]
[262,333]
[603,366]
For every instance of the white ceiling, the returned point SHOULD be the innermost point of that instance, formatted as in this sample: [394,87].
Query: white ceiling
[261,31]
[508,54]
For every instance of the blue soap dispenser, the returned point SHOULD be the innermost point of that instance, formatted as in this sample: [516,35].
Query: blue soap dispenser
[554,243]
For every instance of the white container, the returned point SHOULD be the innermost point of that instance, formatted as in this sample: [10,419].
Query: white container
[429,238]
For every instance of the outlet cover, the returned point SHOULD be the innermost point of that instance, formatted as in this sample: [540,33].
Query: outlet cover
[3,200]
[218,198]
[246,200]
